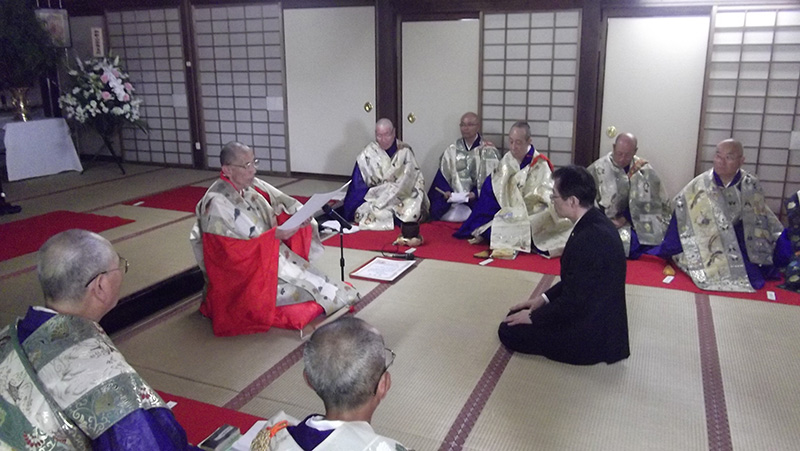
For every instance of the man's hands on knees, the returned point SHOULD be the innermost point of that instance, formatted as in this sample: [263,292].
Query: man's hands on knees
[530,304]
[522,311]
[520,317]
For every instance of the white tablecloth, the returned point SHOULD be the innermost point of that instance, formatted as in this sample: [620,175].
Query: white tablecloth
[40,147]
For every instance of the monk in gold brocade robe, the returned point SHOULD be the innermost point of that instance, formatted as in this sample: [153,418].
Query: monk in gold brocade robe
[631,194]
[515,210]
[463,167]
[723,234]
[387,186]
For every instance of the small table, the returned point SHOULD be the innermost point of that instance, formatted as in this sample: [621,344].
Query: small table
[40,147]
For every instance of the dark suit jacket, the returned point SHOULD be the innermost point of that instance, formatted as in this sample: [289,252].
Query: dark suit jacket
[586,317]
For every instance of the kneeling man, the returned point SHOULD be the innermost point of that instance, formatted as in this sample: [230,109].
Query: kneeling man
[582,319]
[250,265]
[346,364]
[722,233]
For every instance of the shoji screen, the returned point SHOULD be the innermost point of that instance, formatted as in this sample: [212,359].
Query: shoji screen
[752,95]
[530,72]
[148,42]
[240,68]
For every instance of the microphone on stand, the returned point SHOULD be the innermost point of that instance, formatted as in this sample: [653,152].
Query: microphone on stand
[336,216]
[343,224]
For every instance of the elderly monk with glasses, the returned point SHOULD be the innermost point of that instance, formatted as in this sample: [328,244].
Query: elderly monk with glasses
[346,364]
[258,275]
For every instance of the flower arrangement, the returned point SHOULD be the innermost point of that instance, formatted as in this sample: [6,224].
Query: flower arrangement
[101,96]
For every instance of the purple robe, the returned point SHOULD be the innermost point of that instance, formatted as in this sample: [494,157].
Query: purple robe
[151,429]
[757,274]
[439,204]
[358,189]
[486,206]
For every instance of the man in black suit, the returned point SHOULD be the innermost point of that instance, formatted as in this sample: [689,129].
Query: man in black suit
[582,319]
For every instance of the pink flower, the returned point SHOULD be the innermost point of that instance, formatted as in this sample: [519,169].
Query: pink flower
[128,87]
[126,97]
[115,73]
[104,78]
[106,95]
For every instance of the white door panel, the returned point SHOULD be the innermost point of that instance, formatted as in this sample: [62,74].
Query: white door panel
[440,83]
[653,88]
[330,74]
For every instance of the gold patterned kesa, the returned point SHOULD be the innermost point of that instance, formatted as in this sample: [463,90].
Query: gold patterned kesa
[42,391]
[706,215]
[639,192]
[464,169]
[526,214]
[396,188]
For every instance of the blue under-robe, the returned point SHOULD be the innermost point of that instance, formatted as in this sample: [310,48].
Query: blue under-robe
[757,274]
[358,189]
[151,429]
[439,204]
[486,206]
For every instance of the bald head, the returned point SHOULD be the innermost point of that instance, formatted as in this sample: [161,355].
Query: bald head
[732,146]
[470,125]
[728,159]
[229,152]
[384,133]
[625,147]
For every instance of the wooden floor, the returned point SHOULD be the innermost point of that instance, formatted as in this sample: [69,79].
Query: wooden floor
[705,373]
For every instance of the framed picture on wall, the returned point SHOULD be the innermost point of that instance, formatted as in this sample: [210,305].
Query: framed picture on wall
[56,22]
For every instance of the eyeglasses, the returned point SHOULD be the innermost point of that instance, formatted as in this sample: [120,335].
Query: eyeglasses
[248,165]
[389,361]
[123,266]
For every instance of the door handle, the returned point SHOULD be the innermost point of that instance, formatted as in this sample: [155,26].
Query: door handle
[411,118]
[368,106]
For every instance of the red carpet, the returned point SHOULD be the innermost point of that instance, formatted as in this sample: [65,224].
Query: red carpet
[200,419]
[440,245]
[183,199]
[27,235]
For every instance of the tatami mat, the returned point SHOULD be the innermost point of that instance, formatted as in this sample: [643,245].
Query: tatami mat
[97,173]
[652,400]
[759,345]
[94,196]
[444,333]
[236,362]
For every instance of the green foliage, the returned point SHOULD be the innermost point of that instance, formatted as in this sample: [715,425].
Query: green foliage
[26,52]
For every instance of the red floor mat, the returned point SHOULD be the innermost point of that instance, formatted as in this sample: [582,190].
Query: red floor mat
[200,419]
[27,235]
[183,199]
